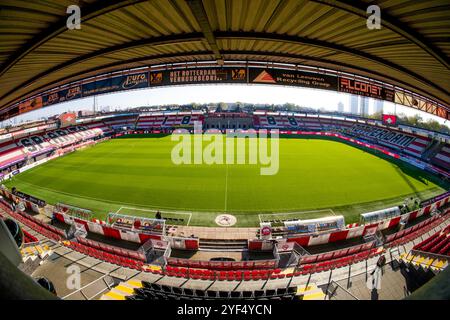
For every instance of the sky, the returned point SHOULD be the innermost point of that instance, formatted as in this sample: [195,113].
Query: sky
[262,94]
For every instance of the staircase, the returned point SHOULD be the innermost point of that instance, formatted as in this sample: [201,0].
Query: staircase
[432,150]
[122,290]
[310,292]
[35,252]
[421,261]
[136,123]
[301,124]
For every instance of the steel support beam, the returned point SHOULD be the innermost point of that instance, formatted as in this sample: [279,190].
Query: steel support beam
[89,12]
[200,15]
[134,44]
[327,45]
[359,8]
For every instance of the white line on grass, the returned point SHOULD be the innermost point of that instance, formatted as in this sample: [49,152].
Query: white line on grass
[226,188]
[117,212]
[166,208]
[74,195]
[152,210]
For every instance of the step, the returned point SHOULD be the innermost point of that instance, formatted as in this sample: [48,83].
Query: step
[310,292]
[112,295]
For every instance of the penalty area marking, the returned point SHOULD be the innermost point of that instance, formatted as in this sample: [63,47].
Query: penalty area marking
[154,210]
[296,212]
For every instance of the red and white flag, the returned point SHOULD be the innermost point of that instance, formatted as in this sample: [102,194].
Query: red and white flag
[389,119]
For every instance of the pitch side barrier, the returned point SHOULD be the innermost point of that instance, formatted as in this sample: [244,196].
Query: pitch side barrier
[354,231]
[37,225]
[254,244]
[101,228]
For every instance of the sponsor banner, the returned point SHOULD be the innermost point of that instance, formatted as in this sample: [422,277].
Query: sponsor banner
[365,89]
[265,230]
[285,246]
[27,197]
[129,236]
[177,243]
[198,76]
[292,78]
[95,227]
[321,239]
[30,105]
[10,113]
[62,96]
[159,244]
[126,82]
[435,199]
[355,232]
[73,211]
[413,162]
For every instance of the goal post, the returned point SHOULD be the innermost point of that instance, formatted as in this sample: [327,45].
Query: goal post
[170,217]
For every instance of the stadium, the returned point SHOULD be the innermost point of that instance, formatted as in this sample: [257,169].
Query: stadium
[224,200]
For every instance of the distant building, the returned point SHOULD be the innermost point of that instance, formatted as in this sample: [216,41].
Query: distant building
[85,113]
[364,106]
[359,105]
[379,105]
[354,104]
[340,107]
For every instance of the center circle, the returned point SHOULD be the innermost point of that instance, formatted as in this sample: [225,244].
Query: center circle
[226,220]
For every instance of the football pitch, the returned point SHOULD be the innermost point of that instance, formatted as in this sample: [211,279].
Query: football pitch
[316,177]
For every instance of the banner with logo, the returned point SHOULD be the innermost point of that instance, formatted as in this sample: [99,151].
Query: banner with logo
[209,75]
[366,89]
[265,230]
[30,105]
[198,76]
[292,78]
[27,197]
[10,113]
[119,83]
[62,96]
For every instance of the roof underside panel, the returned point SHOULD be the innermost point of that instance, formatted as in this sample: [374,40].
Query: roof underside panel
[38,52]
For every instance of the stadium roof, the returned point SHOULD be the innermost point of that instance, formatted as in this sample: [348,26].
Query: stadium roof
[38,51]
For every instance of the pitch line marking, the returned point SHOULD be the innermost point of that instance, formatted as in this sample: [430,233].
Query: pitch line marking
[117,212]
[152,209]
[73,195]
[226,188]
[117,202]
[167,208]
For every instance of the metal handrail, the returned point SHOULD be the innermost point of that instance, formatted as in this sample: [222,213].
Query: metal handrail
[108,286]
[338,285]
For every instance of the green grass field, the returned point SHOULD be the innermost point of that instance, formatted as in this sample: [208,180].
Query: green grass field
[138,173]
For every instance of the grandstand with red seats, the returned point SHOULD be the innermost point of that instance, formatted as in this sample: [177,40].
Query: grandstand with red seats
[153,253]
[116,47]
